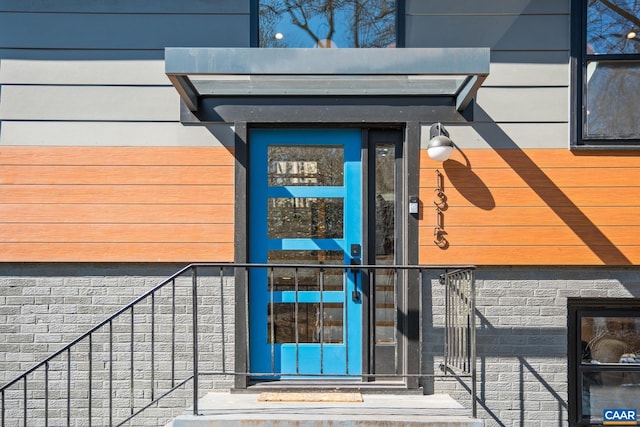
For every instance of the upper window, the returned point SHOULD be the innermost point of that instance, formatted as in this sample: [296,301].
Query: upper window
[327,23]
[608,72]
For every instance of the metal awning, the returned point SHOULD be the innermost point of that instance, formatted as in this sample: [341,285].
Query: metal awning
[210,72]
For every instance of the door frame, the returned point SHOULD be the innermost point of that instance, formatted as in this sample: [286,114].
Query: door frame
[407,233]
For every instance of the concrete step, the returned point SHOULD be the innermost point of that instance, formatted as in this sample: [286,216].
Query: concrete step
[327,409]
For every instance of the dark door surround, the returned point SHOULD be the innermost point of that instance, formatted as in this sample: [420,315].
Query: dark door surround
[409,132]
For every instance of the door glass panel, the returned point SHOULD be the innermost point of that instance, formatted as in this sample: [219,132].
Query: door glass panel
[310,327]
[305,217]
[385,183]
[305,165]
[284,279]
[385,306]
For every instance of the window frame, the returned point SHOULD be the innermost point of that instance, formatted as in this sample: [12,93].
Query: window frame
[586,307]
[255,24]
[579,61]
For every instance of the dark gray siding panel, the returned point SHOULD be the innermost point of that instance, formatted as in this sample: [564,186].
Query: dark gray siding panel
[499,32]
[127,6]
[497,7]
[82,54]
[122,31]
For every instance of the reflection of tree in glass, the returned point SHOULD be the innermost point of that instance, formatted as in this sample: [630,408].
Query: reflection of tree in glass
[361,23]
[613,26]
[305,165]
[385,197]
[611,101]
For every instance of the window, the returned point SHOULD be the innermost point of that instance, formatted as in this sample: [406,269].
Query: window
[607,72]
[604,358]
[327,23]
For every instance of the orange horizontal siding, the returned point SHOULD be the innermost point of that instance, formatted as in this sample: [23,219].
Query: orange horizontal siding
[118,252]
[533,255]
[120,233]
[532,207]
[119,194]
[539,158]
[117,175]
[123,156]
[539,216]
[534,178]
[117,214]
[116,204]
[557,235]
[527,197]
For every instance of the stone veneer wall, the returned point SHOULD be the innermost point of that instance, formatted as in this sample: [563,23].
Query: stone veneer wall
[45,306]
[522,338]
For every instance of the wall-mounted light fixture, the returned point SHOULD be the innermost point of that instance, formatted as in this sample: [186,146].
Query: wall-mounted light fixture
[440,145]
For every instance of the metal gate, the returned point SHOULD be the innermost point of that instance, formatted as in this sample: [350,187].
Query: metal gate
[460,325]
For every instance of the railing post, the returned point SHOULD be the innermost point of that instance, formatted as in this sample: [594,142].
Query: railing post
[46,396]
[194,283]
[173,333]
[68,388]
[153,345]
[296,319]
[272,327]
[222,332]
[447,326]
[110,372]
[474,379]
[246,320]
[132,351]
[90,391]
[25,400]
[322,323]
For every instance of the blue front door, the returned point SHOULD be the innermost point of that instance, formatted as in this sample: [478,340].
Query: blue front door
[305,208]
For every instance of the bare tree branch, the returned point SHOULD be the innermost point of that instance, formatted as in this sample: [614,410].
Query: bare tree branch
[302,25]
[622,12]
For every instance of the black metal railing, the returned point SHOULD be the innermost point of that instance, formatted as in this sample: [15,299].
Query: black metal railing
[178,336]
[460,325]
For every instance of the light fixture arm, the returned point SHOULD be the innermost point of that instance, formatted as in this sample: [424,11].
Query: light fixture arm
[437,129]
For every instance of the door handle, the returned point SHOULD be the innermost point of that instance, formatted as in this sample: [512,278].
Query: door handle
[356,253]
[355,294]
[355,261]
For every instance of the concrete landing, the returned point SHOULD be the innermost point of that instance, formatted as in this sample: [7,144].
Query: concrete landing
[241,410]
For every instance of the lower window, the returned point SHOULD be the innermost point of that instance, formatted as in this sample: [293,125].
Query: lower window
[604,361]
